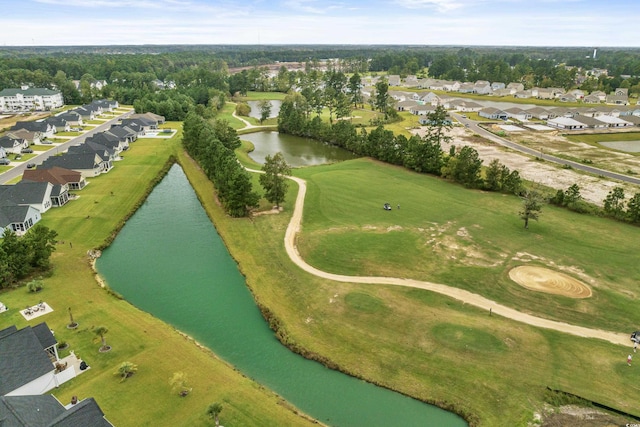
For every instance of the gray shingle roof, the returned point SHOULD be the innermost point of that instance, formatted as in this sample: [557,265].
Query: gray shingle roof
[22,359]
[47,411]
[25,192]
[28,411]
[80,161]
[84,413]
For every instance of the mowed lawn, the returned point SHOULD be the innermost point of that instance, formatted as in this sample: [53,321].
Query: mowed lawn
[158,349]
[468,239]
[423,344]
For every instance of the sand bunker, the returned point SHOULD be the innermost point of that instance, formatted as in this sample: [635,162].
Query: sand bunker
[552,282]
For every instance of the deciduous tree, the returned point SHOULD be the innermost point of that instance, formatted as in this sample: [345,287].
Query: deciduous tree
[274,180]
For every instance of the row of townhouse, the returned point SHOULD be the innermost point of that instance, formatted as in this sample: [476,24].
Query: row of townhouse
[569,118]
[23,204]
[25,133]
[16,100]
[482,87]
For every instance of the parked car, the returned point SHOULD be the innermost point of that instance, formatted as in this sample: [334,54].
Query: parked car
[31,165]
[26,151]
[4,161]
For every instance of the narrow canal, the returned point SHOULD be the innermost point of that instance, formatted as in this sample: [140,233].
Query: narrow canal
[170,261]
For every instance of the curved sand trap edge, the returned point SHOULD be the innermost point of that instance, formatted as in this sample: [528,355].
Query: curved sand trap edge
[542,279]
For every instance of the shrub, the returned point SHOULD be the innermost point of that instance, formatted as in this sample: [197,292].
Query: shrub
[243,109]
[35,286]
[126,370]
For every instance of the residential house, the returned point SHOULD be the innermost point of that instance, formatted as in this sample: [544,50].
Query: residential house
[451,86]
[430,98]
[32,137]
[466,87]
[614,122]
[106,105]
[615,99]
[3,152]
[515,87]
[492,113]
[73,118]
[567,97]
[469,107]
[633,119]
[106,153]
[29,99]
[545,93]
[591,99]
[24,193]
[84,113]
[88,164]
[59,192]
[47,411]
[566,123]
[395,94]
[497,86]
[109,140]
[129,135]
[523,94]
[406,105]
[577,93]
[394,80]
[422,110]
[502,92]
[600,94]
[56,175]
[47,130]
[621,92]
[145,123]
[518,114]
[411,81]
[17,218]
[482,87]
[591,122]
[539,113]
[11,145]
[59,123]
[27,358]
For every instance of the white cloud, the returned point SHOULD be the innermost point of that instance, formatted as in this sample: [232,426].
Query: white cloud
[440,5]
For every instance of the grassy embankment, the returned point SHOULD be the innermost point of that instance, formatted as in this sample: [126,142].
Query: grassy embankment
[157,349]
[429,346]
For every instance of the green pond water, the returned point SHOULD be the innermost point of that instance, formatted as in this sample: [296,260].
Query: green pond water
[296,151]
[255,108]
[170,261]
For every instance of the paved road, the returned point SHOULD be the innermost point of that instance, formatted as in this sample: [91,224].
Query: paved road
[17,171]
[472,125]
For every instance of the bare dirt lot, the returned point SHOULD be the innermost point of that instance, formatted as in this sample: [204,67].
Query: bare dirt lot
[593,188]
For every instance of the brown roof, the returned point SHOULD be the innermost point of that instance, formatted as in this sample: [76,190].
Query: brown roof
[55,175]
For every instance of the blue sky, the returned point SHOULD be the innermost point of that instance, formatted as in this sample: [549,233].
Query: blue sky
[591,23]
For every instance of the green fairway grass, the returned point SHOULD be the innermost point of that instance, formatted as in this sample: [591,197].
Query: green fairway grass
[468,239]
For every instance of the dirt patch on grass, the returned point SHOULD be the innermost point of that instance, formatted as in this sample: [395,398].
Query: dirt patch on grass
[542,279]
[576,416]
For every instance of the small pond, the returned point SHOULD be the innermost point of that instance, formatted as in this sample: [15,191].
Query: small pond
[297,151]
[255,108]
